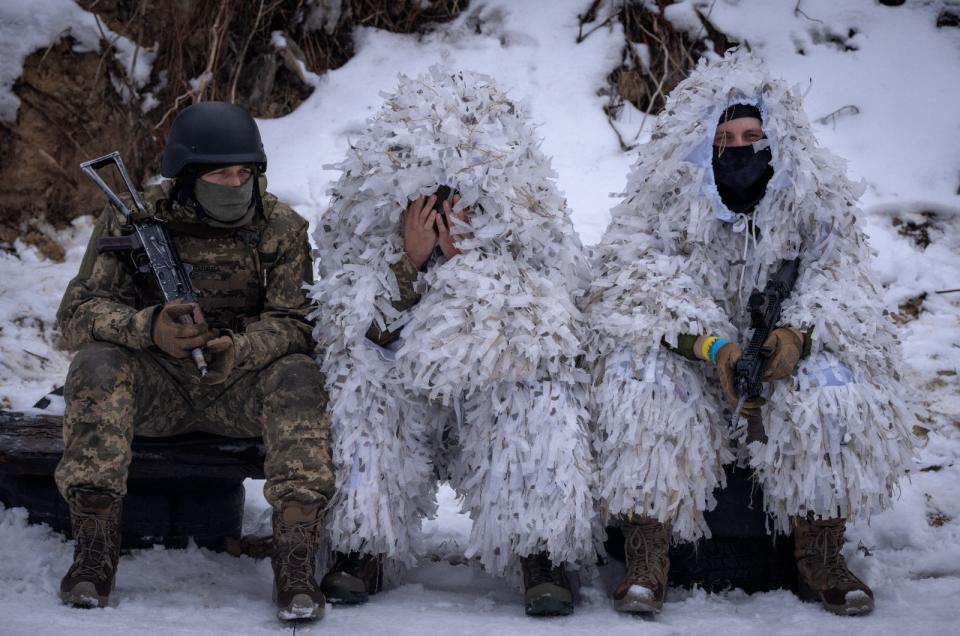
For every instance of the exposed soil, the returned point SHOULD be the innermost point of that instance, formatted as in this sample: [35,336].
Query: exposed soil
[69,113]
[910,309]
[71,110]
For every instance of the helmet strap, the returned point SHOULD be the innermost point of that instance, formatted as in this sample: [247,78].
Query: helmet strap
[257,195]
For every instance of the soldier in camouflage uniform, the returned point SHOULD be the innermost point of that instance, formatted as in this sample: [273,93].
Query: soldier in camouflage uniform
[133,374]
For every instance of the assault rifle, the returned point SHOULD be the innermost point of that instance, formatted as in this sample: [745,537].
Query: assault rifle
[150,235]
[765,309]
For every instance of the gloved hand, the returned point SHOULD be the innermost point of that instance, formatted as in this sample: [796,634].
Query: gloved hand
[727,359]
[221,355]
[175,338]
[787,344]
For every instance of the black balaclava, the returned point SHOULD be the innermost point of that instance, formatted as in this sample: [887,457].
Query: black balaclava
[741,173]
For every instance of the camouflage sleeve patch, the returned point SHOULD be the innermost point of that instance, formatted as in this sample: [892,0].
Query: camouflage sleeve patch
[406,275]
[685,342]
[807,342]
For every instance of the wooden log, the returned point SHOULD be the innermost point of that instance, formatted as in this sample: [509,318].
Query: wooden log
[33,444]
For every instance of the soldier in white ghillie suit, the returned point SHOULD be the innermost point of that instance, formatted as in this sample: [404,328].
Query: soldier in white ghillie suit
[449,338]
[732,185]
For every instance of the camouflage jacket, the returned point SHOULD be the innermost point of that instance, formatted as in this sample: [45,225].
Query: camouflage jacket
[250,282]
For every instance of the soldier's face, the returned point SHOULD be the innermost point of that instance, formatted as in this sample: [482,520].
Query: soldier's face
[229,176]
[741,131]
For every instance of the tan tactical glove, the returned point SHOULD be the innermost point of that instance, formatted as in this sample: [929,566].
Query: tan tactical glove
[727,359]
[175,337]
[221,355]
[787,344]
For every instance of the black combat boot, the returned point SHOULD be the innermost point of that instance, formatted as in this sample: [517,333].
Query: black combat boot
[353,578]
[822,571]
[297,529]
[644,585]
[546,588]
[95,519]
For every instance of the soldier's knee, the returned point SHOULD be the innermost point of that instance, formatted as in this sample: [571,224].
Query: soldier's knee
[99,364]
[295,375]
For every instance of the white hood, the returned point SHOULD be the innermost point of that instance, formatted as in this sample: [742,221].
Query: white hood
[673,254]
[501,310]
[496,333]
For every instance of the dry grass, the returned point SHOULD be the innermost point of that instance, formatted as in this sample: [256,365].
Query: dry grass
[671,54]
[910,309]
[918,230]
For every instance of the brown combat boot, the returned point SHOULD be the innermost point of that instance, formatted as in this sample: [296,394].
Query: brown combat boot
[822,571]
[95,519]
[546,590]
[297,529]
[353,578]
[646,548]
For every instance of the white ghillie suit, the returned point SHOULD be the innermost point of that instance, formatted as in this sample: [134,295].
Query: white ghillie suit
[671,263]
[486,360]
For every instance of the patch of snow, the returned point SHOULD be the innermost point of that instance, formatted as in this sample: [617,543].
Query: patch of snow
[137,60]
[26,27]
[31,365]
[640,593]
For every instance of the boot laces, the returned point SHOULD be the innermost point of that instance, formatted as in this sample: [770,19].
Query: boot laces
[644,541]
[297,554]
[95,546]
[826,548]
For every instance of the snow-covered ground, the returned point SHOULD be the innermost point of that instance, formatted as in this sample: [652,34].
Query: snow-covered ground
[903,78]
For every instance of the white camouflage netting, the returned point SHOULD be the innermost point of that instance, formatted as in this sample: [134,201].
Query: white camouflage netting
[671,262]
[494,337]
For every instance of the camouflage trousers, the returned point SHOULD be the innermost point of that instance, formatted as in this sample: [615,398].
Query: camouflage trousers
[113,393]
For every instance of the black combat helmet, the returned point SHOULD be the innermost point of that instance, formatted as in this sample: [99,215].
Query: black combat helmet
[212,133]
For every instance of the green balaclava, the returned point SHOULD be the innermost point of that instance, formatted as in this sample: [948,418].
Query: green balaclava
[226,206]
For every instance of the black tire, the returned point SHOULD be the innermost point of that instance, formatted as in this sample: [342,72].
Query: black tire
[210,518]
[753,565]
[739,511]
[151,514]
[145,516]
[740,554]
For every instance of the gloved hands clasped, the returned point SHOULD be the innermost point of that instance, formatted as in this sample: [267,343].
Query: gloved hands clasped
[221,355]
[177,339]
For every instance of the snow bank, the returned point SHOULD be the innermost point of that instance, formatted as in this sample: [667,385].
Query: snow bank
[903,79]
